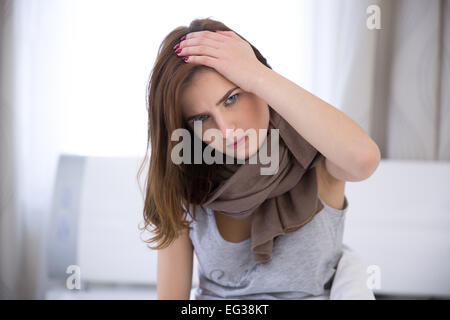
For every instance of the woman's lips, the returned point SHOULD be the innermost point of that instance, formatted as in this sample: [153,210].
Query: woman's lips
[238,143]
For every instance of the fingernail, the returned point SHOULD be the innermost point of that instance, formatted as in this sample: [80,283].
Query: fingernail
[178,51]
[183,38]
[185,59]
[176,46]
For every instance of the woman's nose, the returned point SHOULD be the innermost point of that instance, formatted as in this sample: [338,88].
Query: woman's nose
[226,127]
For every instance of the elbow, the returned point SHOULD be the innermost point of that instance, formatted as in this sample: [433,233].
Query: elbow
[368,163]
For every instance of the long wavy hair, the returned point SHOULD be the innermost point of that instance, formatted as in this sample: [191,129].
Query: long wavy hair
[171,189]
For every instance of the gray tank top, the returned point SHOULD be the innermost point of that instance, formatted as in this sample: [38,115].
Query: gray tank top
[302,267]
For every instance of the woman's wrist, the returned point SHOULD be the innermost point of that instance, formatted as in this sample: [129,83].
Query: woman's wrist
[260,75]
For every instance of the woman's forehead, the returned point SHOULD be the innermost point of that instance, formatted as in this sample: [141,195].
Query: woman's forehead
[204,92]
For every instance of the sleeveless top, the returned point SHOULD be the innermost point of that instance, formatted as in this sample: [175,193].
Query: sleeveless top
[303,264]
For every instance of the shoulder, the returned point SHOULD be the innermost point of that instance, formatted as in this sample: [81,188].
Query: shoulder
[330,189]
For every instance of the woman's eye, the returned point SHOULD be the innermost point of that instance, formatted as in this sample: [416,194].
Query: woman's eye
[205,117]
[200,118]
[233,101]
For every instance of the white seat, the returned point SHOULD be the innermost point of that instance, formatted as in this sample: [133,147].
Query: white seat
[399,221]
[351,278]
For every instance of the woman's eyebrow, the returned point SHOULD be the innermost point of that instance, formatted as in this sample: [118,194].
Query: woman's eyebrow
[226,95]
[218,102]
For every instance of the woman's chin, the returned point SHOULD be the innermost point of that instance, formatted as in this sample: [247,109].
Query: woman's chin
[243,154]
[240,154]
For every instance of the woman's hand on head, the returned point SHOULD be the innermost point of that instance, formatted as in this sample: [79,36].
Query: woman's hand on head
[224,51]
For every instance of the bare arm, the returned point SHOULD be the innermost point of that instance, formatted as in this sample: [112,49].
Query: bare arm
[174,269]
[351,154]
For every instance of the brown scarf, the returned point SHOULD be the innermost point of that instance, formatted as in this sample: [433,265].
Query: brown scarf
[280,203]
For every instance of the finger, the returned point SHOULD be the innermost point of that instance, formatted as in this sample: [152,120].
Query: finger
[205,60]
[226,33]
[202,40]
[198,51]
[203,34]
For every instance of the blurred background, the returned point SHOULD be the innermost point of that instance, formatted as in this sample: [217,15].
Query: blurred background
[73,127]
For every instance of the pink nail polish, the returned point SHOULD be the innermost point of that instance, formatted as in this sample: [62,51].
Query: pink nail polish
[183,38]
[176,46]
[178,51]
[185,59]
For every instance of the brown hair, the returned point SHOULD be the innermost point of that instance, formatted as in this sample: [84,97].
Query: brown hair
[172,188]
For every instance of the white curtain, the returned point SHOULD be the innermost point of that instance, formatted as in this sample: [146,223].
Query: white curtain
[392,81]
[10,224]
[33,96]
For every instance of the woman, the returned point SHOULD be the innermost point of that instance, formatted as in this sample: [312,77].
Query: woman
[207,74]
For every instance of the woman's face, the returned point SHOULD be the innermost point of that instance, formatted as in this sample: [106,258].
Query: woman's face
[219,104]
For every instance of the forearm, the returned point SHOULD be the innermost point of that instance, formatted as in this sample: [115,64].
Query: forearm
[340,139]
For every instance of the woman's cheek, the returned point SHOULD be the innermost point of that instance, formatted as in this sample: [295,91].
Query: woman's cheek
[210,138]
